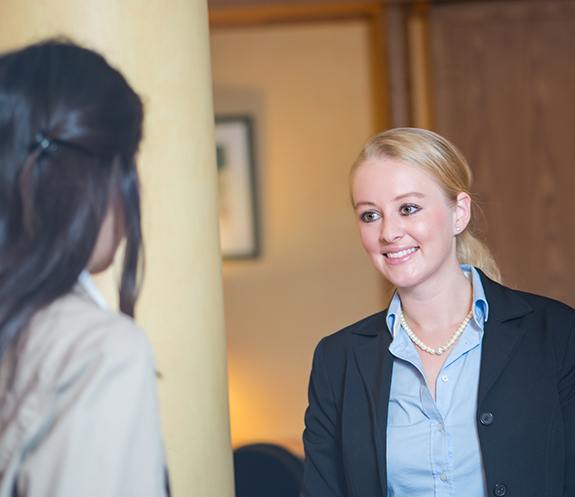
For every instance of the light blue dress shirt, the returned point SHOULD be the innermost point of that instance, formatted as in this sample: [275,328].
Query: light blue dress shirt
[432,445]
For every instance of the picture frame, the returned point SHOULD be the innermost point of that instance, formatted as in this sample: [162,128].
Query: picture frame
[238,206]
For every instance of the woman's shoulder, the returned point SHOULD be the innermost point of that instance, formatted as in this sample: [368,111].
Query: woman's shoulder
[540,303]
[554,318]
[333,352]
[546,304]
[74,333]
[77,317]
[348,336]
[541,316]
[507,301]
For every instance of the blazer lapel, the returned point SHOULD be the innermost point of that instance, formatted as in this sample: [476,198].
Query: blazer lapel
[503,332]
[374,363]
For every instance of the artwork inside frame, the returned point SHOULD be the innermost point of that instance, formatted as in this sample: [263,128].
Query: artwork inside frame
[238,216]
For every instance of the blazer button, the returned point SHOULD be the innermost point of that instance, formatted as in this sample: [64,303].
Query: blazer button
[499,490]
[486,418]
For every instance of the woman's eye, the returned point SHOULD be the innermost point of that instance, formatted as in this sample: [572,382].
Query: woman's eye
[369,216]
[408,209]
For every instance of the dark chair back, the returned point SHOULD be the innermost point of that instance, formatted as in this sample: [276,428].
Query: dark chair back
[267,470]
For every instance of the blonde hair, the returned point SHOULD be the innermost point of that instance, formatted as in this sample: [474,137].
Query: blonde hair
[436,155]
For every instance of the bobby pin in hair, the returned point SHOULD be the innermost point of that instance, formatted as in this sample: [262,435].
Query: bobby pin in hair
[46,144]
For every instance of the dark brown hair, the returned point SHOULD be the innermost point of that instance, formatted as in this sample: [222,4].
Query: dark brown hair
[70,127]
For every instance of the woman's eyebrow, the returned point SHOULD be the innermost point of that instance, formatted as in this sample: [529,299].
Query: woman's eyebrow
[399,197]
[410,194]
[364,203]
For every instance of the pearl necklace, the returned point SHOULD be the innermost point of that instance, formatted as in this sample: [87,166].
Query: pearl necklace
[442,348]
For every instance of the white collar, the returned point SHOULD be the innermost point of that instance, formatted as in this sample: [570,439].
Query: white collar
[87,283]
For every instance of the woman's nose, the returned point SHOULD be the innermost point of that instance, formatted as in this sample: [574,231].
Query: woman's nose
[391,230]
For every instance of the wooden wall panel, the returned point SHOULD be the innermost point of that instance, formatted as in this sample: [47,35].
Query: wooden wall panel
[504,91]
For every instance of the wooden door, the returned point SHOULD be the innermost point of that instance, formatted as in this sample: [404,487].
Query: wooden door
[503,86]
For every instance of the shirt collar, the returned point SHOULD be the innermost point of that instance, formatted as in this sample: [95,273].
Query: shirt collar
[480,306]
[87,283]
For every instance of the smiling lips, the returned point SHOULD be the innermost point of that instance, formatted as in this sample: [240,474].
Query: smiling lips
[400,255]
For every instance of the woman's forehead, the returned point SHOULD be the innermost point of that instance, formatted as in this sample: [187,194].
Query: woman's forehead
[391,178]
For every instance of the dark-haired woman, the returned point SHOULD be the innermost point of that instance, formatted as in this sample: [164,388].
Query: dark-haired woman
[78,406]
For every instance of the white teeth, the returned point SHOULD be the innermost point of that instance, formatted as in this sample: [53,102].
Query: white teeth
[401,253]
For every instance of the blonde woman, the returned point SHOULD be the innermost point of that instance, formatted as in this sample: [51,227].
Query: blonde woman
[462,386]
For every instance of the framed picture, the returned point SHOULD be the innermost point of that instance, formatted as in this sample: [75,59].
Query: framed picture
[239,231]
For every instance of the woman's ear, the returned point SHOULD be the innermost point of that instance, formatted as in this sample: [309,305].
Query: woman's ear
[462,212]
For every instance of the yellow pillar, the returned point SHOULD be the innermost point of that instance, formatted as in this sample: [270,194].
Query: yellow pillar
[162,48]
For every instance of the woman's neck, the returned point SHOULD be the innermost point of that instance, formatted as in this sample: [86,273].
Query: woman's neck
[439,304]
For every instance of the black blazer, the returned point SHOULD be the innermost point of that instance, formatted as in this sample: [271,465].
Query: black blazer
[525,413]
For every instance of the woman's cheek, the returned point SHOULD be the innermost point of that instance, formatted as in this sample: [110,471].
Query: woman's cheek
[432,225]
[369,237]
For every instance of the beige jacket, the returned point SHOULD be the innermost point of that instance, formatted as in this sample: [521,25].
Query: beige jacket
[78,407]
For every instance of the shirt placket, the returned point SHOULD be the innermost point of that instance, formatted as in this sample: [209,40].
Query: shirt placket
[445,385]
[438,444]
[439,449]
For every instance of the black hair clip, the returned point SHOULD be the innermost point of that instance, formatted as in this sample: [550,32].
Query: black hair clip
[43,142]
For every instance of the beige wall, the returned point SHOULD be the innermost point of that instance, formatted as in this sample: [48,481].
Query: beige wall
[308,87]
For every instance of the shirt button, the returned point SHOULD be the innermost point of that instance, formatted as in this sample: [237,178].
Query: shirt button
[499,490]
[440,427]
[486,418]
[443,477]
[445,378]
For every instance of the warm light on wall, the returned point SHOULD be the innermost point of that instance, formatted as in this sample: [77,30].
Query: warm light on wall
[310,96]
[245,404]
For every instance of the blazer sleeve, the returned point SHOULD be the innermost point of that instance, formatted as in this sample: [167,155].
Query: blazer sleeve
[323,466]
[102,437]
[567,399]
